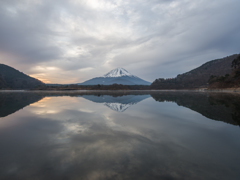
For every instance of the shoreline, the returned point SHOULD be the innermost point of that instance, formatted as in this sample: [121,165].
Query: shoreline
[225,90]
[236,90]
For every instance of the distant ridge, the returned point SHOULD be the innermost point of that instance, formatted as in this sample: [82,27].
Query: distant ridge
[11,78]
[198,77]
[116,76]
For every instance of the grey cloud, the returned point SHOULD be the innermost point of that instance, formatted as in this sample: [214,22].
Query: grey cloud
[145,37]
[27,35]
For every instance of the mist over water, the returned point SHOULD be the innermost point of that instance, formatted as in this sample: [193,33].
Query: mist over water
[86,135]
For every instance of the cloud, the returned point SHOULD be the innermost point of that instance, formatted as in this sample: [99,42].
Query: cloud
[151,39]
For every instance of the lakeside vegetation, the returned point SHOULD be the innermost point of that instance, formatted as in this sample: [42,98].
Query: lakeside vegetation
[231,80]
[94,87]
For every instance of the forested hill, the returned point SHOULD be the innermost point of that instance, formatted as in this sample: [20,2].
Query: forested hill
[198,77]
[11,78]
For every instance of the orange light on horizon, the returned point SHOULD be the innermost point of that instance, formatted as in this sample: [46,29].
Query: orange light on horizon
[39,77]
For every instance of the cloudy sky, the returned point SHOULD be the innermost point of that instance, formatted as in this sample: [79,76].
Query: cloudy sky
[61,41]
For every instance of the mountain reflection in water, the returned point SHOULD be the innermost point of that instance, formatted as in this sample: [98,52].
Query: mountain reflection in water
[86,135]
[117,103]
[216,106]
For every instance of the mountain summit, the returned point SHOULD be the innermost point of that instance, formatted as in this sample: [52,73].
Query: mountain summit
[116,76]
[118,72]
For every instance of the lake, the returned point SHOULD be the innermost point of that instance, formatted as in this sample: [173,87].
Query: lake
[119,135]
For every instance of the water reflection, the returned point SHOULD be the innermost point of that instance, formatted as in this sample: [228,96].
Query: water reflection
[12,102]
[217,106]
[69,136]
[117,103]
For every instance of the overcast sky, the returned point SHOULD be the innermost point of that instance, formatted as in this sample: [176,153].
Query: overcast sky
[70,41]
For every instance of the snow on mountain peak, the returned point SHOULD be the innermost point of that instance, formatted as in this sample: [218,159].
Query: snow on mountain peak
[118,72]
[119,107]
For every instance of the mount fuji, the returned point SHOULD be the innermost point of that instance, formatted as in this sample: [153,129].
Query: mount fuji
[118,103]
[116,76]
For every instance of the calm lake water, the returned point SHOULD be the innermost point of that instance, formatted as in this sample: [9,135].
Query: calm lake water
[86,135]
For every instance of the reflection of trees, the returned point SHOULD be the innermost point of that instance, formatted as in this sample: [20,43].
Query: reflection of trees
[217,106]
[12,102]
[230,101]
[93,92]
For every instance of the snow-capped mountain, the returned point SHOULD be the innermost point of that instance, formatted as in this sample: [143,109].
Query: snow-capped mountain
[119,103]
[116,76]
[118,106]
[118,72]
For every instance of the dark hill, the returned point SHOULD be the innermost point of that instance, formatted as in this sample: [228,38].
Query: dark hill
[231,80]
[197,78]
[11,78]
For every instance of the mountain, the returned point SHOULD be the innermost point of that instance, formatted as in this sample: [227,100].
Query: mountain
[116,76]
[197,78]
[231,80]
[117,103]
[11,78]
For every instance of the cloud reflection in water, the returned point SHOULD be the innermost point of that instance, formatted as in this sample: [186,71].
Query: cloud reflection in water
[85,140]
